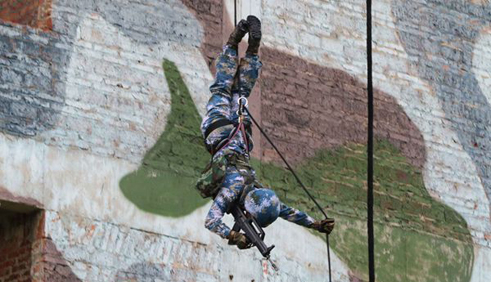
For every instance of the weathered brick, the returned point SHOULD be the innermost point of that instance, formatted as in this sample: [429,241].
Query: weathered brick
[94,86]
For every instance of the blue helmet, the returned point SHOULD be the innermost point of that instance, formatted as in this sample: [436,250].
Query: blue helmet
[263,205]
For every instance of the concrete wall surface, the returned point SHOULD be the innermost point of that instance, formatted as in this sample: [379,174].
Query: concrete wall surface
[101,103]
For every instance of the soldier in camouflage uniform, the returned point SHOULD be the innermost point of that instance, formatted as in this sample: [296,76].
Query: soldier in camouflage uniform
[239,185]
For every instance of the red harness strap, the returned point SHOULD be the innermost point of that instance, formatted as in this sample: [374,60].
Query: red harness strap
[240,127]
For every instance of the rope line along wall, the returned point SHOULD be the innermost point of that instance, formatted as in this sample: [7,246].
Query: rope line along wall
[299,182]
[371,260]
[289,167]
[287,164]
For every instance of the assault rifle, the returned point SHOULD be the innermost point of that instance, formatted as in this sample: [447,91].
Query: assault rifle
[253,232]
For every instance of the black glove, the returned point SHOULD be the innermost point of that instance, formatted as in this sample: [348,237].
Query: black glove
[239,239]
[323,226]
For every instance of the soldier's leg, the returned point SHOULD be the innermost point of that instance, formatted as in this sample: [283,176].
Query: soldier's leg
[248,73]
[226,63]
[218,106]
[255,35]
[249,65]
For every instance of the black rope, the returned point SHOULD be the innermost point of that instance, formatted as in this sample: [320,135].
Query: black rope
[287,164]
[371,256]
[328,256]
[242,107]
[299,182]
[235,12]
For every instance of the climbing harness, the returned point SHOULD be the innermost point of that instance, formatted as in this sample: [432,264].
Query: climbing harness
[241,127]
[212,176]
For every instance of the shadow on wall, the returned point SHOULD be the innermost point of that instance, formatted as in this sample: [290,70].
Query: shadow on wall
[418,238]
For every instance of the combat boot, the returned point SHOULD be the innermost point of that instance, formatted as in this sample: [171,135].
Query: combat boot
[239,32]
[254,35]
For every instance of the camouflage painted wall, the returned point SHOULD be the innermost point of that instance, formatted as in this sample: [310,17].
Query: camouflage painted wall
[100,125]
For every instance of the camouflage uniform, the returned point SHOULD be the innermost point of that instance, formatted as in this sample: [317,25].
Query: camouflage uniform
[223,105]
[223,102]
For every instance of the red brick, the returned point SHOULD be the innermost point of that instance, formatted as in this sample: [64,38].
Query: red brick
[13,277]
[34,13]
[20,267]
[6,264]
[5,271]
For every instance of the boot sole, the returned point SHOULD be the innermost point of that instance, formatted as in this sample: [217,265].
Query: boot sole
[254,27]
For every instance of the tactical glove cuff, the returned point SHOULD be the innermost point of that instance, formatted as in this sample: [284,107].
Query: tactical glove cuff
[323,226]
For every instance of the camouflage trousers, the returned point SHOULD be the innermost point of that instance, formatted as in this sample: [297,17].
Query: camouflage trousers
[232,80]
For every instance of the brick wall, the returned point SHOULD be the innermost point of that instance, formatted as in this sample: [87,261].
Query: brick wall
[81,105]
[34,13]
[210,13]
[27,253]
[103,251]
[316,107]
[17,235]
[63,71]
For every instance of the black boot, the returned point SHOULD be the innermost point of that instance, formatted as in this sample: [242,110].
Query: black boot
[239,32]
[254,35]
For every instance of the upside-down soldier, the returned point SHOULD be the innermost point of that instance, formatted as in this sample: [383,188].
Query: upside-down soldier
[228,138]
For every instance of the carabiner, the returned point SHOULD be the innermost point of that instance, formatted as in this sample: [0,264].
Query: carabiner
[243,98]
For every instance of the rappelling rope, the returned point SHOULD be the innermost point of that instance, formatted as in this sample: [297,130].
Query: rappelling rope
[371,242]
[299,182]
[371,253]
[243,107]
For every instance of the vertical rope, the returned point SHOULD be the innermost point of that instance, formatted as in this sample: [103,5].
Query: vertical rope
[328,256]
[235,12]
[299,182]
[287,164]
[371,257]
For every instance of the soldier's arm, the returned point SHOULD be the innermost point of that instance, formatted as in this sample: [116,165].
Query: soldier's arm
[295,216]
[218,209]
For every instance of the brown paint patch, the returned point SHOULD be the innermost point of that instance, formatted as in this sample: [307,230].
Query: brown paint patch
[50,265]
[8,196]
[354,277]
[312,107]
[33,13]
[209,13]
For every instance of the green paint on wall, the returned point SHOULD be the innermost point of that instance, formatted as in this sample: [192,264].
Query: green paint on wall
[164,184]
[417,238]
